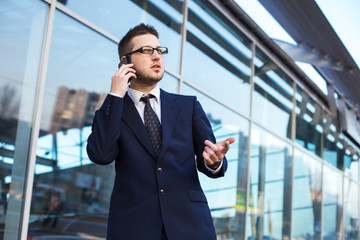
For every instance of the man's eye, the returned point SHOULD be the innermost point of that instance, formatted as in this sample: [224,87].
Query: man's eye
[147,50]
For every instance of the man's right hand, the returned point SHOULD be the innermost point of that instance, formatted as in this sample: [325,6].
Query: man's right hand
[119,81]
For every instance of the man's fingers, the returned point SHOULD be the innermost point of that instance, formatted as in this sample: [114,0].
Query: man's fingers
[226,144]
[211,154]
[207,158]
[211,145]
[216,149]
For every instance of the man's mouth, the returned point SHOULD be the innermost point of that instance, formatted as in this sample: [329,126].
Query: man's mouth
[156,67]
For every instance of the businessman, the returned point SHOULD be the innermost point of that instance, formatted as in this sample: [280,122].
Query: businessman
[158,141]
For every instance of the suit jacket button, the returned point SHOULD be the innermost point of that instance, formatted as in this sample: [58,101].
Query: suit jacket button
[159,170]
[162,191]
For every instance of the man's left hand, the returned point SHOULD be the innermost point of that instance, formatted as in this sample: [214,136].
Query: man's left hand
[215,152]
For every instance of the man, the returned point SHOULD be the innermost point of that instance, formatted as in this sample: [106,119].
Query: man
[156,194]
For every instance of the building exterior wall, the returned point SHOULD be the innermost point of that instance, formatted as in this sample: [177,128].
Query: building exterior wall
[291,174]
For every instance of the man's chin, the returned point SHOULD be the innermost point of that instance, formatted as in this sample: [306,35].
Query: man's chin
[149,81]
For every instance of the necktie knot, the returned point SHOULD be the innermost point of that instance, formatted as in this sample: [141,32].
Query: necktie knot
[146,98]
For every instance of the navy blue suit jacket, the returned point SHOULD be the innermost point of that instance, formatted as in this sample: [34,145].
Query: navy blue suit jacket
[151,192]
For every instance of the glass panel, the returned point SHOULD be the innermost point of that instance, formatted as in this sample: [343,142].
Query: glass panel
[309,128]
[333,204]
[272,99]
[217,52]
[351,160]
[351,208]
[333,145]
[117,17]
[227,195]
[22,25]
[270,187]
[338,149]
[306,197]
[169,83]
[70,194]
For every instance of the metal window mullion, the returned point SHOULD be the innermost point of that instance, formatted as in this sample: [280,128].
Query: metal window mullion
[293,138]
[292,189]
[182,47]
[36,119]
[293,120]
[322,201]
[251,80]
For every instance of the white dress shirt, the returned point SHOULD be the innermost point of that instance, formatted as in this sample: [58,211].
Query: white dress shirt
[140,105]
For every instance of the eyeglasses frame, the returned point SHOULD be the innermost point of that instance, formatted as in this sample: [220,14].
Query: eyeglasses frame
[153,49]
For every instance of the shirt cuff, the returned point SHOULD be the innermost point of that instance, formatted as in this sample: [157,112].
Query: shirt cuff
[216,170]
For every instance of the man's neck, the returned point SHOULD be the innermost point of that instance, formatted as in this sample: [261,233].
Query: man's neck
[141,88]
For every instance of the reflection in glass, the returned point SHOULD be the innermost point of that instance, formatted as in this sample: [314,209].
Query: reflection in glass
[334,146]
[169,83]
[270,187]
[333,204]
[227,195]
[22,25]
[351,160]
[309,128]
[307,197]
[70,194]
[272,99]
[217,53]
[351,209]
[117,17]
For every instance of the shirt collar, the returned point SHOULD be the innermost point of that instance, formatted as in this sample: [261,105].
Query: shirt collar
[136,95]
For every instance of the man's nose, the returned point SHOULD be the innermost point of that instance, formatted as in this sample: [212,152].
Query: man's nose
[155,54]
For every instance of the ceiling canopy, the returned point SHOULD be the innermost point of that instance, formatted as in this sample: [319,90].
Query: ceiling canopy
[317,44]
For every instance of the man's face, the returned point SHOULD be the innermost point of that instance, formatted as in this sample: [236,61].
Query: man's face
[149,67]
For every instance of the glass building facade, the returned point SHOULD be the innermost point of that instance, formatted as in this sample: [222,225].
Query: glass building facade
[292,173]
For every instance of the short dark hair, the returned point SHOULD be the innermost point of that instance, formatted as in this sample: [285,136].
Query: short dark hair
[138,30]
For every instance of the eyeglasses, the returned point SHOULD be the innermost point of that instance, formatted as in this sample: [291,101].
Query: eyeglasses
[150,50]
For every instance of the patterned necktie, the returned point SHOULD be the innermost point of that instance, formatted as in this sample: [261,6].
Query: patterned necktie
[152,124]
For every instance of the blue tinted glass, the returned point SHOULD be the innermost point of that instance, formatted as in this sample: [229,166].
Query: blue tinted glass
[351,209]
[169,83]
[117,17]
[67,186]
[333,203]
[215,52]
[22,25]
[273,96]
[270,184]
[309,125]
[307,196]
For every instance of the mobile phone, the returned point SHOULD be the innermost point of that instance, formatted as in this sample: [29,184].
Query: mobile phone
[126,60]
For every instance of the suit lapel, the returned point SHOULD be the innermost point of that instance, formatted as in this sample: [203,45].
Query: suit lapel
[168,116]
[133,121]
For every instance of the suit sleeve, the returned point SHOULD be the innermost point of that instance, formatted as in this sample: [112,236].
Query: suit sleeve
[202,131]
[102,144]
